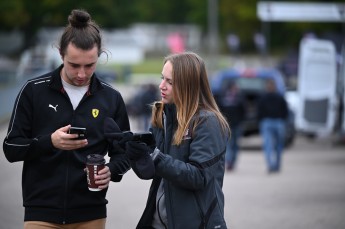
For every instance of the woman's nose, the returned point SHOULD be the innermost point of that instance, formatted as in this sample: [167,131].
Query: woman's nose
[161,85]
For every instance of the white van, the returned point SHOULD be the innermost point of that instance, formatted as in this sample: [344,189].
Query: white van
[342,92]
[318,105]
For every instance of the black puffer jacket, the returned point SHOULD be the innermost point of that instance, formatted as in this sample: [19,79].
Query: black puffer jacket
[54,182]
[192,173]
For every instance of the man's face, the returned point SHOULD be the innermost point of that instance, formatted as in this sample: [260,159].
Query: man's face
[79,65]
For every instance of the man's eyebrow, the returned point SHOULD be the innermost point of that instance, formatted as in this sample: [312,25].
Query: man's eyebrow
[80,64]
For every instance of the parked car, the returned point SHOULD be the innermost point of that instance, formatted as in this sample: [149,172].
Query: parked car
[252,84]
[106,75]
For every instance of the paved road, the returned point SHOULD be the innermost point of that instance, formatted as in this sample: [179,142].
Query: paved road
[308,193]
[7,99]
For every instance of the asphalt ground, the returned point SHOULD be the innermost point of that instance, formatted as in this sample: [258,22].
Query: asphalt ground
[309,192]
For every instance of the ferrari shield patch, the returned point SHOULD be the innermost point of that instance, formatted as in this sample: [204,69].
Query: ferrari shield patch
[95,113]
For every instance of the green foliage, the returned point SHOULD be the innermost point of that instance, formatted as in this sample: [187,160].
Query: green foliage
[148,66]
[12,14]
[236,16]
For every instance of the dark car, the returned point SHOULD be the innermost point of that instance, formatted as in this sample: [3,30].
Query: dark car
[106,75]
[252,83]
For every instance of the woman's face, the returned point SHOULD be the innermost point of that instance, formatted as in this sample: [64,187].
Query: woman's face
[167,83]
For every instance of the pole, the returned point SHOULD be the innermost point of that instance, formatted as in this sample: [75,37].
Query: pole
[212,30]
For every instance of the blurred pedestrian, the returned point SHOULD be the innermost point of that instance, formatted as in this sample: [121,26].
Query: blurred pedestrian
[233,107]
[189,158]
[233,42]
[272,114]
[176,42]
[55,189]
[260,43]
[146,99]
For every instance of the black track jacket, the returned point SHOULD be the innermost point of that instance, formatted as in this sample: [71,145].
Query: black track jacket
[53,181]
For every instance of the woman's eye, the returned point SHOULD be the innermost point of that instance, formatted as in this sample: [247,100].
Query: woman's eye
[169,81]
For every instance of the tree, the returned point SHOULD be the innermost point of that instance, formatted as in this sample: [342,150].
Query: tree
[234,16]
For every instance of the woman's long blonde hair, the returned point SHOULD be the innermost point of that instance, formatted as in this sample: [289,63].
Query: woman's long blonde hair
[191,91]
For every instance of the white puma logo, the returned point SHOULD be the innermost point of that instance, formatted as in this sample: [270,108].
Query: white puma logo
[51,106]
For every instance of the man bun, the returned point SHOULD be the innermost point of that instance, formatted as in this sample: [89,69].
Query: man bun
[79,18]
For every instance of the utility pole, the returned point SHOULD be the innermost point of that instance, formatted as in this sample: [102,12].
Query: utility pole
[213,48]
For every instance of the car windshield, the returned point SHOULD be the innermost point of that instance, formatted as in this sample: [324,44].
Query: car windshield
[253,84]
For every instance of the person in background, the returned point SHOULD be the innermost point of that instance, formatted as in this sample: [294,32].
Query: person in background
[233,108]
[54,185]
[189,158]
[272,115]
[149,95]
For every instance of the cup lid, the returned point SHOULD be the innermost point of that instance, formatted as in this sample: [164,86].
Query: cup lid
[95,159]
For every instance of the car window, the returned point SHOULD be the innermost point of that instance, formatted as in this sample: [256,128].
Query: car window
[253,84]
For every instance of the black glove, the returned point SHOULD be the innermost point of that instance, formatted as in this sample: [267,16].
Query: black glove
[114,135]
[118,147]
[110,126]
[120,163]
[141,162]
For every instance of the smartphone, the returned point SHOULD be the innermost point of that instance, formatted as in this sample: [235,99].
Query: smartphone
[81,131]
[146,137]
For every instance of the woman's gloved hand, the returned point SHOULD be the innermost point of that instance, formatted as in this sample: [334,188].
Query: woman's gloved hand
[140,159]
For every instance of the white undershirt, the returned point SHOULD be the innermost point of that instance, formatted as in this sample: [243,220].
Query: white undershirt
[75,93]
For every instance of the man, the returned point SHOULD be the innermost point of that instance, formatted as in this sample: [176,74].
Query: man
[55,191]
[272,114]
[233,107]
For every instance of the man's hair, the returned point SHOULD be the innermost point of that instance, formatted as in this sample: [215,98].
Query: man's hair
[271,85]
[83,32]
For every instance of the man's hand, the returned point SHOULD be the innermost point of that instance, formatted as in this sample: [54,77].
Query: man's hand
[102,179]
[64,141]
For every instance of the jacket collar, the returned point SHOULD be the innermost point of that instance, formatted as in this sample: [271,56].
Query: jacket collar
[170,108]
[56,82]
[170,116]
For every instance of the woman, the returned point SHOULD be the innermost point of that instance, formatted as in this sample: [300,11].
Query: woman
[191,136]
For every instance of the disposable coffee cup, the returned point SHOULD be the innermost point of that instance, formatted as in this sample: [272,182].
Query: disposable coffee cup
[94,163]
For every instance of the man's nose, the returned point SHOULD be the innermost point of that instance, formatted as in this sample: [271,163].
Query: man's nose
[81,72]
